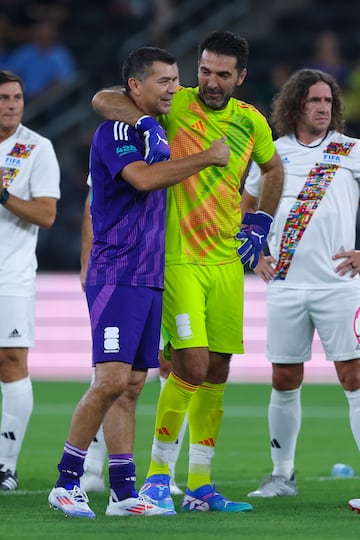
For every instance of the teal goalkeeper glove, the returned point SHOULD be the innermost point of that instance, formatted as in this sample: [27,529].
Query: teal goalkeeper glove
[253,236]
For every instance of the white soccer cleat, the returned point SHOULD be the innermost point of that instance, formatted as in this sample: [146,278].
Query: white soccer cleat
[73,502]
[90,482]
[136,506]
[275,486]
[174,488]
[354,504]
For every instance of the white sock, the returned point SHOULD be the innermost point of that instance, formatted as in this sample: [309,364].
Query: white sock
[354,413]
[175,449]
[284,416]
[96,454]
[17,406]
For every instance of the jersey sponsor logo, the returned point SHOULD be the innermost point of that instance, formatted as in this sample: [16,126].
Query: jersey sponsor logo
[199,126]
[127,149]
[332,158]
[183,326]
[11,161]
[15,334]
[285,160]
[111,339]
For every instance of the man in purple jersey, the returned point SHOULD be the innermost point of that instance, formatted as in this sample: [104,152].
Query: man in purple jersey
[124,280]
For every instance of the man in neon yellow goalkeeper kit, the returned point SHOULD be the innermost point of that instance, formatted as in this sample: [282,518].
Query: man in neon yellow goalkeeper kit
[205,249]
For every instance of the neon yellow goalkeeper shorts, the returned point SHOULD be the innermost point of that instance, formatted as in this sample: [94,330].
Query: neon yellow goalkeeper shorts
[203,307]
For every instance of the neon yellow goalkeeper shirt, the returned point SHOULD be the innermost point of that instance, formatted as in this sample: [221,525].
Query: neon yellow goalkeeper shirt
[203,212]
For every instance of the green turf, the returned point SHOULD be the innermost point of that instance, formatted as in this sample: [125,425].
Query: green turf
[242,458]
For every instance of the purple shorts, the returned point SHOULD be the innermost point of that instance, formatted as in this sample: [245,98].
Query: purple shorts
[125,324]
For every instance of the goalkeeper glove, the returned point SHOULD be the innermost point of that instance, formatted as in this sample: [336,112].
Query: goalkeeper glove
[253,237]
[156,144]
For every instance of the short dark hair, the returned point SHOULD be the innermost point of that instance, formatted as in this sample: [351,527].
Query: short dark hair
[227,43]
[288,104]
[9,76]
[139,63]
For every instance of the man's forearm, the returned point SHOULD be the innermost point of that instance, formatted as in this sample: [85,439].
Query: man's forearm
[114,104]
[272,186]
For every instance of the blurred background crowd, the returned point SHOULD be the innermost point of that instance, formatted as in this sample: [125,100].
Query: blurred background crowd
[66,50]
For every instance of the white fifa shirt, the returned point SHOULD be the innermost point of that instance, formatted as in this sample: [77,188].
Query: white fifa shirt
[316,216]
[30,169]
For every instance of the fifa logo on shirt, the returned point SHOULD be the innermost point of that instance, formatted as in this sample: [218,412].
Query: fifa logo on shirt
[183,326]
[111,339]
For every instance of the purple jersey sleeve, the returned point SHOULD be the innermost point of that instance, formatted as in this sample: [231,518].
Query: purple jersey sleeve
[128,225]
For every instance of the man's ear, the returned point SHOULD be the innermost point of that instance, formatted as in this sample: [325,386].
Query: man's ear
[134,85]
[241,77]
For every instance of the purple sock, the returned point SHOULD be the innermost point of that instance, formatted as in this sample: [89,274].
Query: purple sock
[71,466]
[122,476]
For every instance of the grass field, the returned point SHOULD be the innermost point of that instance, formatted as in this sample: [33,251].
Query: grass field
[319,512]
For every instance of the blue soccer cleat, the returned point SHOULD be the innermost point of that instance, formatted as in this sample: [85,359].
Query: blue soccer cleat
[207,499]
[156,489]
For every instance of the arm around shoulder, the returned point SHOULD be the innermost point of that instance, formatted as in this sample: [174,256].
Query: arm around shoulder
[114,104]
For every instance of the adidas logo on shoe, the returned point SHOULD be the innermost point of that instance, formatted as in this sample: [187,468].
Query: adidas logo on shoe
[8,481]
[15,333]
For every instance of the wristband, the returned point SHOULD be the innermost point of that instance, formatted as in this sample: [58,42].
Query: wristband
[4,196]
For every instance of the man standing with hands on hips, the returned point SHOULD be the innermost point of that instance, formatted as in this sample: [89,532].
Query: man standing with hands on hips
[313,268]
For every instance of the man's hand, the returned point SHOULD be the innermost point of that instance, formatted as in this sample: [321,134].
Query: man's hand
[220,151]
[156,144]
[253,234]
[266,268]
[350,263]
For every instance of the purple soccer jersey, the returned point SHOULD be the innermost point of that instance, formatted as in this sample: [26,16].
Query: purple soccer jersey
[128,225]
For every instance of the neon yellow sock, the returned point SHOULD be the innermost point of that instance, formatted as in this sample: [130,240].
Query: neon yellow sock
[171,410]
[204,416]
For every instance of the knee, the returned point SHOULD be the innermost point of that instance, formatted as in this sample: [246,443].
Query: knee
[109,390]
[132,392]
[349,374]
[13,364]
[195,375]
[286,377]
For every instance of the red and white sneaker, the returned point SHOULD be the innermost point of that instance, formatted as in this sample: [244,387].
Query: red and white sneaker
[136,506]
[73,502]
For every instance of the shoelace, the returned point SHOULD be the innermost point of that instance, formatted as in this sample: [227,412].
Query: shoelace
[79,496]
[146,501]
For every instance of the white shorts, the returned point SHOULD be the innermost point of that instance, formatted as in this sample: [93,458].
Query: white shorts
[17,321]
[294,314]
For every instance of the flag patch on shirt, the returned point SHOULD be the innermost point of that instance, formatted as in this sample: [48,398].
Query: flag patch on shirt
[21,150]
